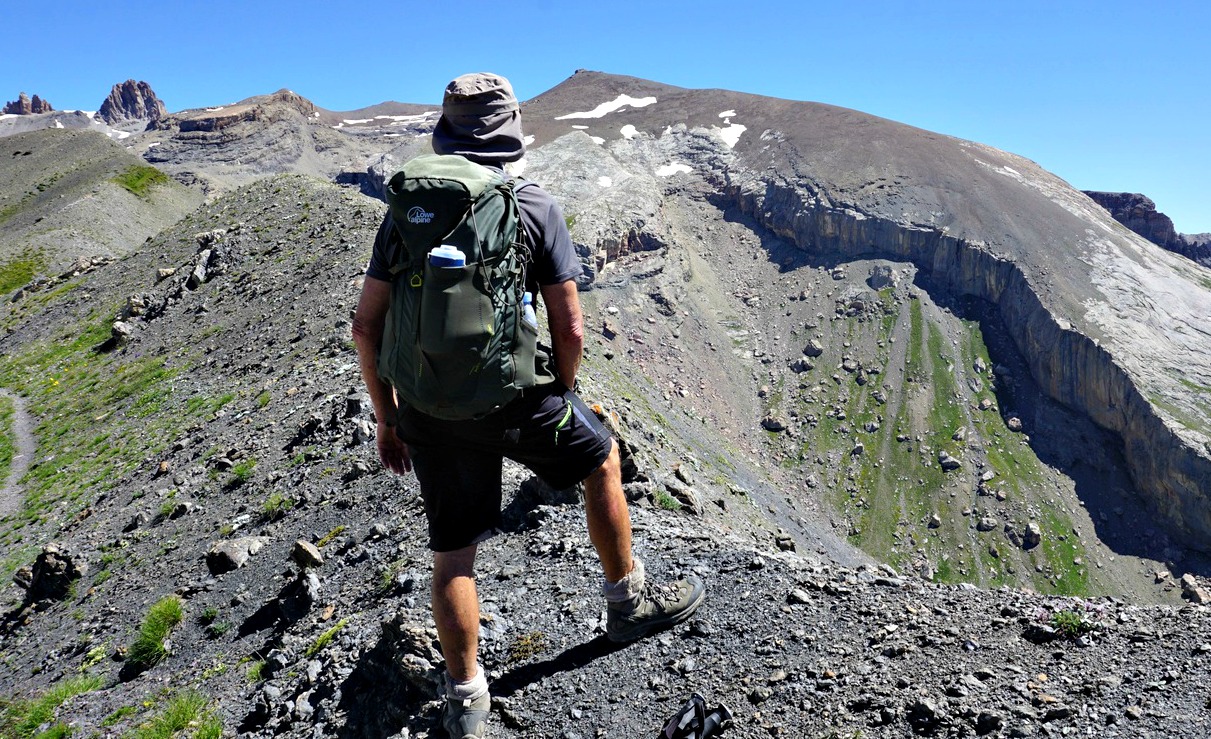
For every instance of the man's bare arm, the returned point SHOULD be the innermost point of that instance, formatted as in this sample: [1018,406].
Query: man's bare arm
[368,324]
[567,328]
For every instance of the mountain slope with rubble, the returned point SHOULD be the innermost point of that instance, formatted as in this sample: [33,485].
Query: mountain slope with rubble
[799,410]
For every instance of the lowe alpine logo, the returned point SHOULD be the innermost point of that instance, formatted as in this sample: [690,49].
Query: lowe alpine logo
[418,215]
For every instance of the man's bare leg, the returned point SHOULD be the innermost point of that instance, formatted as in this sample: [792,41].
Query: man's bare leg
[605,507]
[456,610]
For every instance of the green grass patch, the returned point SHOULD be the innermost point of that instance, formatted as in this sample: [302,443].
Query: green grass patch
[7,440]
[323,639]
[185,712]
[140,178]
[22,719]
[148,647]
[201,405]
[19,270]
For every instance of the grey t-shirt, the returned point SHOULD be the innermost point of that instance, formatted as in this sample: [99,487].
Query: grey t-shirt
[554,259]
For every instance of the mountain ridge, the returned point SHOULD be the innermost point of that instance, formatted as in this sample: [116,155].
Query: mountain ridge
[856,383]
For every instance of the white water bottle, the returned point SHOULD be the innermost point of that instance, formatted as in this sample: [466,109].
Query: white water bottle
[527,310]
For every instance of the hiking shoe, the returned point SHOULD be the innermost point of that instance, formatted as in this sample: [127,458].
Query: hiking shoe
[466,719]
[656,607]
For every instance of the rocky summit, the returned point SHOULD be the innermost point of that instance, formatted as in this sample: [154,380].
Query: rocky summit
[932,426]
[132,100]
[23,105]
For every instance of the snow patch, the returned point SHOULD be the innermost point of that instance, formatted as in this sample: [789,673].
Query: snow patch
[579,127]
[727,114]
[731,134]
[515,169]
[357,121]
[119,135]
[59,124]
[6,116]
[316,114]
[597,140]
[610,107]
[628,131]
[154,144]
[672,169]
[401,119]
[215,110]
[605,181]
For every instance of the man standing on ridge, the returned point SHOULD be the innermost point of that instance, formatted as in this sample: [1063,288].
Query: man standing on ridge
[547,428]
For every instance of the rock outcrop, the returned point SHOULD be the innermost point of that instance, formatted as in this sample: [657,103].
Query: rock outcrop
[23,105]
[1138,213]
[132,101]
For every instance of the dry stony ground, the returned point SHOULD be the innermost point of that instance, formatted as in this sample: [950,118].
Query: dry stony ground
[230,412]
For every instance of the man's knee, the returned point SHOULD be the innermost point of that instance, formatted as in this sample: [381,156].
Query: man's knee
[610,468]
[450,565]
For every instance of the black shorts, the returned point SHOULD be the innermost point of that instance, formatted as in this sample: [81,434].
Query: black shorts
[458,463]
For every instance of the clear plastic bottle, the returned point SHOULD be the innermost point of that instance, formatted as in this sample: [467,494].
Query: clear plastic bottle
[527,310]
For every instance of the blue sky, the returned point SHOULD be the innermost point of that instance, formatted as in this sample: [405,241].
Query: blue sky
[1109,95]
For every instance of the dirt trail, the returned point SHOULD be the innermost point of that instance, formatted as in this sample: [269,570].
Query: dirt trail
[23,454]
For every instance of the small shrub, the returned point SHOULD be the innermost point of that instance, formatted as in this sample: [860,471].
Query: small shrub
[666,501]
[1071,623]
[526,647]
[324,638]
[208,615]
[148,647]
[217,629]
[262,400]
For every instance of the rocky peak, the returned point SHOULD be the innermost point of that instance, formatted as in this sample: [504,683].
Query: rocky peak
[132,101]
[23,105]
[294,100]
[1138,213]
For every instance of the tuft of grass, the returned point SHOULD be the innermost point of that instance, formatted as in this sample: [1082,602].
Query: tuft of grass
[148,647]
[256,671]
[184,710]
[262,400]
[23,719]
[243,471]
[328,537]
[118,715]
[323,639]
[139,178]
[275,506]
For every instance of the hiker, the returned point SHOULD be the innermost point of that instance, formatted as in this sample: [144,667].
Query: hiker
[546,427]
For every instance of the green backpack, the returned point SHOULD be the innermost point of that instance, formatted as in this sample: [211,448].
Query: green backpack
[456,345]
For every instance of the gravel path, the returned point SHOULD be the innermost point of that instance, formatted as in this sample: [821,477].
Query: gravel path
[23,454]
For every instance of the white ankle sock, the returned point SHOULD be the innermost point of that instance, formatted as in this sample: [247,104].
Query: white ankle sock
[467,690]
[626,589]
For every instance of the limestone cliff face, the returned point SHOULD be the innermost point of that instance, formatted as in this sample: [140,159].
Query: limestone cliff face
[132,101]
[24,105]
[1165,442]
